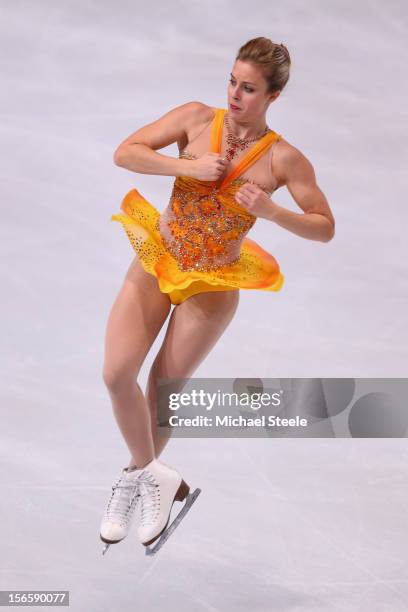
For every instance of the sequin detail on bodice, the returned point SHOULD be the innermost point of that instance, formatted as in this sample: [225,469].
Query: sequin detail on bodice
[203,226]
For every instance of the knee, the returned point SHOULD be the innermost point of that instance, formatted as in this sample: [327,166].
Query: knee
[154,374]
[118,379]
[153,388]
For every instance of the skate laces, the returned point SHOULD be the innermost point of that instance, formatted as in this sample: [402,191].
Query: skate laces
[122,501]
[150,497]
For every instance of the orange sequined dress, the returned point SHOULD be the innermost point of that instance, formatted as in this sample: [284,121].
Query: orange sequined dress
[198,244]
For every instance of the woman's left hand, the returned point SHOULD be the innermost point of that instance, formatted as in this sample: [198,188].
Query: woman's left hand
[255,200]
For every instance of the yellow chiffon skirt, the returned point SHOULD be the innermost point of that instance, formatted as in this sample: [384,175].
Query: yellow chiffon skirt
[255,268]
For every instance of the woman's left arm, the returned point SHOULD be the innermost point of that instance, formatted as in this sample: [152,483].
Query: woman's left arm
[316,222]
[297,173]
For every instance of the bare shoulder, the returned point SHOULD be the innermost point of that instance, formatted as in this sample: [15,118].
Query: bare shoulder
[288,158]
[198,115]
[194,112]
[176,125]
[201,111]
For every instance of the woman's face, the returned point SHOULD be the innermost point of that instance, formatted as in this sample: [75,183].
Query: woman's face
[247,91]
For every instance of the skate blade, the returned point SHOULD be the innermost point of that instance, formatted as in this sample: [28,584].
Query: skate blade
[107,543]
[190,499]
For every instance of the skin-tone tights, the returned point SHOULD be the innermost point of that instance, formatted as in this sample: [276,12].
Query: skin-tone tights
[135,320]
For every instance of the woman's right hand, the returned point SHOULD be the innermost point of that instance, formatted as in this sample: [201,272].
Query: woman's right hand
[208,167]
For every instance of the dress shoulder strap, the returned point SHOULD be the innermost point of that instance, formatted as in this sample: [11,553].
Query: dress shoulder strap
[254,153]
[216,130]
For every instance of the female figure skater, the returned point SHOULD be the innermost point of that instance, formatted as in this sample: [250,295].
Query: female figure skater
[195,256]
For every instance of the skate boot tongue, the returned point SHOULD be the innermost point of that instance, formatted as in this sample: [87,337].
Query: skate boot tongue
[131,470]
[134,469]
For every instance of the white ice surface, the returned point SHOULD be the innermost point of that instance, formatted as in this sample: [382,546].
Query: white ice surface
[313,525]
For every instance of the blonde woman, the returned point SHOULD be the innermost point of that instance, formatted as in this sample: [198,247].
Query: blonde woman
[196,256]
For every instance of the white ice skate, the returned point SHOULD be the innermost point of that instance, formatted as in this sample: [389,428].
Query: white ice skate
[160,486]
[121,507]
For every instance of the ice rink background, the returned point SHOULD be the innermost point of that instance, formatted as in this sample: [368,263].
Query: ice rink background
[286,525]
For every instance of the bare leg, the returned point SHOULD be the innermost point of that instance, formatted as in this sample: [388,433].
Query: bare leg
[134,322]
[195,326]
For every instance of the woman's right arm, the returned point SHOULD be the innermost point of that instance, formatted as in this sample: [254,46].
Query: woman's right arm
[138,152]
